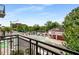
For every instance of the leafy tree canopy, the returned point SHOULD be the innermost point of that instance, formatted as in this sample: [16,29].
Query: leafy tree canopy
[71,29]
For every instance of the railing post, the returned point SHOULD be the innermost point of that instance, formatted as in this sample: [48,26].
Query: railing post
[18,43]
[11,44]
[4,40]
[30,46]
[36,47]
[0,45]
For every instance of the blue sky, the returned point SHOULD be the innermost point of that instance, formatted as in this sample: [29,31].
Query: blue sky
[31,14]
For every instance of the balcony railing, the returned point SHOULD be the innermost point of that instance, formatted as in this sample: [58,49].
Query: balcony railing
[22,45]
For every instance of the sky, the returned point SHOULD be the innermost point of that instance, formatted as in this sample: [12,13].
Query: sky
[31,14]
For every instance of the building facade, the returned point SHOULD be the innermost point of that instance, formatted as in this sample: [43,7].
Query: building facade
[56,33]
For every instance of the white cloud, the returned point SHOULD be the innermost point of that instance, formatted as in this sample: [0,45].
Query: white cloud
[13,15]
[30,8]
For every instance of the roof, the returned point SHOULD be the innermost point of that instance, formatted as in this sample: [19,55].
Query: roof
[57,29]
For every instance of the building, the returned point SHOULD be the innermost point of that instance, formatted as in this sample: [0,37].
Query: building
[56,33]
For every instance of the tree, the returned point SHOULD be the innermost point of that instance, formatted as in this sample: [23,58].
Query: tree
[36,27]
[6,29]
[20,27]
[56,25]
[50,25]
[30,28]
[71,29]
[43,29]
[25,27]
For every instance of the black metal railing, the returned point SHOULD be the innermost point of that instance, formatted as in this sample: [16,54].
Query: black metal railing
[22,45]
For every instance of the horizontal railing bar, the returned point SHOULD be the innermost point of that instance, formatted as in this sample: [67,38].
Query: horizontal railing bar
[66,50]
[49,50]
[42,47]
[8,35]
[28,38]
[8,38]
[60,48]
[24,39]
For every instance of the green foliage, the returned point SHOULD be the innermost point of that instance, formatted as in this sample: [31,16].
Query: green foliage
[24,28]
[21,28]
[30,28]
[36,27]
[50,25]
[71,32]
[6,29]
[43,28]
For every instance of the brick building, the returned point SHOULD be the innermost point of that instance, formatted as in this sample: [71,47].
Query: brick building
[56,33]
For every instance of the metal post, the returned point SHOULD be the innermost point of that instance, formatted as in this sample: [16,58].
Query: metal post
[36,47]
[4,40]
[30,46]
[4,45]
[18,43]
[0,45]
[11,45]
